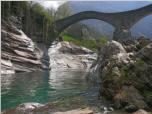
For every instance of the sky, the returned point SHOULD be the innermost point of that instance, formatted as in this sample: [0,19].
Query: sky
[54,4]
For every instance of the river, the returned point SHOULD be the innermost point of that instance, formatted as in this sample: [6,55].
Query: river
[66,86]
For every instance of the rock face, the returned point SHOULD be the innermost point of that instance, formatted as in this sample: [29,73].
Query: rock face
[20,53]
[124,36]
[93,76]
[67,55]
[126,74]
[81,31]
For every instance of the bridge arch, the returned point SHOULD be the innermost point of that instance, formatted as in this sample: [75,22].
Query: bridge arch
[126,19]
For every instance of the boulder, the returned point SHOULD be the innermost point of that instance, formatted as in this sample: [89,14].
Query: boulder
[30,108]
[143,41]
[124,36]
[66,48]
[131,108]
[145,53]
[25,108]
[140,111]
[76,49]
[112,48]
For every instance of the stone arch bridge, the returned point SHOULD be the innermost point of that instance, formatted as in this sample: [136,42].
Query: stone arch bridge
[126,19]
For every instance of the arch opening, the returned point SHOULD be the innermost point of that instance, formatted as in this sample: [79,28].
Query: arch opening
[143,27]
[96,27]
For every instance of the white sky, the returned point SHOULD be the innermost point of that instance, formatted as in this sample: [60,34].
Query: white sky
[54,4]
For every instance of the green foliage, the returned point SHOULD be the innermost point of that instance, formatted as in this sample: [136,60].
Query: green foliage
[63,11]
[131,58]
[146,92]
[150,113]
[90,44]
[68,38]
[109,75]
[139,63]
[113,74]
[112,63]
[101,108]
[124,67]
[39,10]
[103,40]
[12,7]
[125,93]
[141,104]
[123,73]
[121,59]
[84,107]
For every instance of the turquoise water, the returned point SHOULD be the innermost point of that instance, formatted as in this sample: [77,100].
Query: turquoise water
[67,87]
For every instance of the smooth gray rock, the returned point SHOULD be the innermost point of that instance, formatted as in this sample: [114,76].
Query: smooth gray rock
[67,55]
[131,108]
[145,53]
[143,41]
[140,111]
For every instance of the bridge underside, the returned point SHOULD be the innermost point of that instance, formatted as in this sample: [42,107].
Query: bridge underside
[126,19]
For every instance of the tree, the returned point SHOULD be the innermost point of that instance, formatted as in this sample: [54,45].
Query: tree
[51,11]
[63,11]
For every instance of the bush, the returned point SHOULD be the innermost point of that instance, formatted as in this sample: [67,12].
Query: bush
[88,43]
[139,63]
[146,92]
[101,108]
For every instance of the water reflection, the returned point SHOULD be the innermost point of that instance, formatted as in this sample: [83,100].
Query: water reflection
[61,79]
[23,83]
[67,87]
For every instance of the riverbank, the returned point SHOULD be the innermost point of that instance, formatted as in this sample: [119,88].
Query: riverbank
[36,108]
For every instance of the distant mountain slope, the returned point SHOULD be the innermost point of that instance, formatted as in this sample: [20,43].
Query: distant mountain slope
[143,27]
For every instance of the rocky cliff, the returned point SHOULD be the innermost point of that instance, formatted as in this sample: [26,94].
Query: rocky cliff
[81,31]
[67,55]
[125,73]
[23,54]
[19,53]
